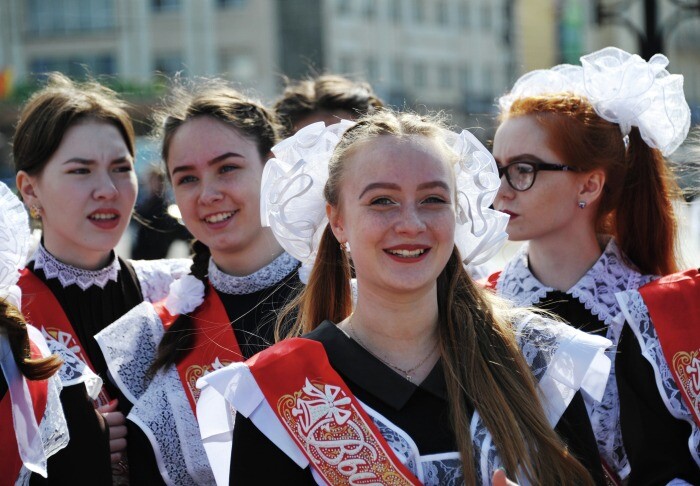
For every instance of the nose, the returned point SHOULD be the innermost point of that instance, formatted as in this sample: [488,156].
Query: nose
[105,189]
[210,193]
[504,190]
[410,222]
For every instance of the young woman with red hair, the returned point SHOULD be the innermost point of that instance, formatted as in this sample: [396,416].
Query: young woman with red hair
[582,151]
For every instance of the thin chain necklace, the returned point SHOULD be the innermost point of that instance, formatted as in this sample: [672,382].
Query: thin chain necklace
[408,374]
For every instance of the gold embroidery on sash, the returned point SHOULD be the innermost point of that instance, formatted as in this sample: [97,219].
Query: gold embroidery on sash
[336,438]
[687,369]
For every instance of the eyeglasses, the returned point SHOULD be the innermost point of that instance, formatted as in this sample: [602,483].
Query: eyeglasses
[521,175]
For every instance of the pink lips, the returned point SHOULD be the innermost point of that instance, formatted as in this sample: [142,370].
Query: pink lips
[407,253]
[106,219]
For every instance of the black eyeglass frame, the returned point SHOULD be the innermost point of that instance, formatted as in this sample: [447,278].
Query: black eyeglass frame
[536,167]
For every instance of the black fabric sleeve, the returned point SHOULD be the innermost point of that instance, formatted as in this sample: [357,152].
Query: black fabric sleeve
[86,458]
[143,468]
[575,429]
[655,441]
[255,459]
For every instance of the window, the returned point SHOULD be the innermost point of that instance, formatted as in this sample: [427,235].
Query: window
[420,75]
[465,80]
[445,76]
[344,7]
[486,20]
[75,67]
[372,68]
[231,3]
[60,17]
[442,14]
[463,14]
[397,73]
[395,12]
[345,65]
[165,5]
[418,11]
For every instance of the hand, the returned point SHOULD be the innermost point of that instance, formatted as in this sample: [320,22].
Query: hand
[117,429]
[499,479]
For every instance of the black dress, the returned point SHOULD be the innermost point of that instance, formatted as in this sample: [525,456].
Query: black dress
[420,411]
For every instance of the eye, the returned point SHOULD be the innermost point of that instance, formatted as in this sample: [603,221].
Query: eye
[381,201]
[186,180]
[124,168]
[79,171]
[228,168]
[435,200]
[524,168]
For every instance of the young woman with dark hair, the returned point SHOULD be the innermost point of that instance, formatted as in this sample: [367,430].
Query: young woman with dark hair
[215,144]
[426,378]
[73,151]
[581,150]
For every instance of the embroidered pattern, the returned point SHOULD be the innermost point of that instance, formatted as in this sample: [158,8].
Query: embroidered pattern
[335,437]
[612,273]
[70,275]
[687,367]
[195,372]
[266,277]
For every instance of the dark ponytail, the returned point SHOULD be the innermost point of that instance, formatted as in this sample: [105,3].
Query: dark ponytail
[178,340]
[12,321]
[645,223]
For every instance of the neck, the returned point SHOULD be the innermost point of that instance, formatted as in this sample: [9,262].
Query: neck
[561,265]
[78,257]
[400,330]
[250,260]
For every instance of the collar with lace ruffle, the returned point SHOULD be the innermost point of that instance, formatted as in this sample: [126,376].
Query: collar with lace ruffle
[266,277]
[596,290]
[69,275]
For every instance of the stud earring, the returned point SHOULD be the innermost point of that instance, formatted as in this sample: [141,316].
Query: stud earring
[582,204]
[34,212]
[345,246]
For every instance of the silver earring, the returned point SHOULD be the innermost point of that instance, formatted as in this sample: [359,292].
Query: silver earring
[582,204]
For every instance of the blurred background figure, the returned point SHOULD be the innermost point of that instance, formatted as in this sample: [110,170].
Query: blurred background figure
[328,98]
[157,228]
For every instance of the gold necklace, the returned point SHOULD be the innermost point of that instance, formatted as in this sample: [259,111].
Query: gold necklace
[408,374]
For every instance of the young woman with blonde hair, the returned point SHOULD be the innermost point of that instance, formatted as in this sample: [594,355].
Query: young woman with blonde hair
[426,378]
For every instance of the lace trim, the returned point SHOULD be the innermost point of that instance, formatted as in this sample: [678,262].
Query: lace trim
[266,277]
[69,275]
[638,318]
[596,290]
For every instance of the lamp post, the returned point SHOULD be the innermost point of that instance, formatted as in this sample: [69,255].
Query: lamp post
[651,36]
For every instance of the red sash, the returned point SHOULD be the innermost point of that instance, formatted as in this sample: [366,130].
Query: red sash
[324,418]
[674,307]
[492,281]
[10,461]
[41,308]
[215,344]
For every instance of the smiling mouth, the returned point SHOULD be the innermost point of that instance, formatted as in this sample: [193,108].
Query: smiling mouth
[219,217]
[103,216]
[407,253]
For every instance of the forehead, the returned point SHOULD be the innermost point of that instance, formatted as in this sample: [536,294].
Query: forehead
[406,161]
[90,138]
[521,135]
[204,138]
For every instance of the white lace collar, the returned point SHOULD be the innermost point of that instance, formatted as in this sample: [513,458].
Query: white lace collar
[266,277]
[69,275]
[596,290]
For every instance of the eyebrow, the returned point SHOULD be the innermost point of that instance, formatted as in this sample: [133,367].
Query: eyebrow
[520,156]
[396,187]
[215,160]
[81,161]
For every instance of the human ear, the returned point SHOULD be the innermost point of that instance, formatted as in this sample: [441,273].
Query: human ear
[591,186]
[336,221]
[26,184]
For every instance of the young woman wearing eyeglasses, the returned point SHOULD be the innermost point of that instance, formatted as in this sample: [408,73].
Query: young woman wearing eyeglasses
[581,149]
